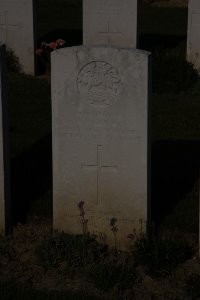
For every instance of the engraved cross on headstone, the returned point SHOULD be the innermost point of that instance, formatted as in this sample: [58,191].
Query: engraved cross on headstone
[99,167]
[110,23]
[109,33]
[4,26]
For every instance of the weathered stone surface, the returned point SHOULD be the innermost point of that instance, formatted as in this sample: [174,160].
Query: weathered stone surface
[4,171]
[193,38]
[2,200]
[111,23]
[99,110]
[17,30]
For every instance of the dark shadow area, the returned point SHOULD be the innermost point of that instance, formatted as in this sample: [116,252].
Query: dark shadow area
[31,176]
[71,37]
[153,42]
[175,168]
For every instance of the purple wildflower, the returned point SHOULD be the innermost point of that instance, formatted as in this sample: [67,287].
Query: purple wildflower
[113,222]
[131,236]
[80,206]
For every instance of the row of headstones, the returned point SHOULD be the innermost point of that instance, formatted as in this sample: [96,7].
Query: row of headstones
[100,102]
[17,30]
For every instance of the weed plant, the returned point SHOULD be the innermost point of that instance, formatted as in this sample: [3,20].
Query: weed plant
[74,251]
[4,243]
[160,256]
[185,216]
[171,72]
[12,61]
[29,109]
[107,275]
[11,290]
[192,285]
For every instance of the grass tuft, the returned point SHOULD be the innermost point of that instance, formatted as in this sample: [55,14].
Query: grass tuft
[12,61]
[71,251]
[107,275]
[161,256]
[171,72]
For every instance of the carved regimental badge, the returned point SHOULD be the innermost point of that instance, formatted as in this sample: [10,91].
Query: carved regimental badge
[100,83]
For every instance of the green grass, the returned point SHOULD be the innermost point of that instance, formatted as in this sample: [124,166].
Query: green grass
[163,21]
[161,256]
[29,104]
[107,275]
[175,116]
[185,215]
[42,206]
[54,14]
[11,290]
[76,251]
[192,286]
[112,274]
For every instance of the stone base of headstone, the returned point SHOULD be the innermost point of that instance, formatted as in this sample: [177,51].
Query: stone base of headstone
[100,115]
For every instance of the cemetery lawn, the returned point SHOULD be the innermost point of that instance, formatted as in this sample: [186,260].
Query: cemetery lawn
[38,265]
[66,14]
[29,104]
[175,125]
[175,116]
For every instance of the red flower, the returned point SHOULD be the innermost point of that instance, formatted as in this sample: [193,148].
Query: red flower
[53,45]
[38,51]
[60,42]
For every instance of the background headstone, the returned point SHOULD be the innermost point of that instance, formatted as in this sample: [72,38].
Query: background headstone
[17,30]
[193,38]
[4,163]
[99,109]
[111,23]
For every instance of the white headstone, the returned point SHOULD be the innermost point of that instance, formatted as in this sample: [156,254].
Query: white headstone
[110,23]
[99,107]
[17,30]
[193,38]
[4,172]
[99,127]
